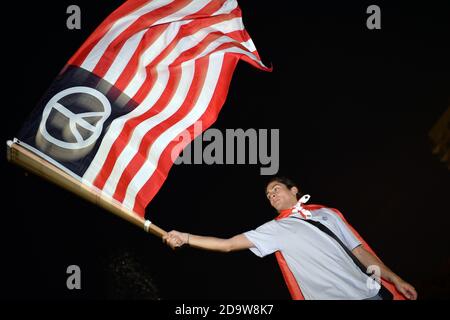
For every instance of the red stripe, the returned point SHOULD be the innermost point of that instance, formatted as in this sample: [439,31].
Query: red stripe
[125,9]
[140,24]
[152,186]
[207,10]
[132,67]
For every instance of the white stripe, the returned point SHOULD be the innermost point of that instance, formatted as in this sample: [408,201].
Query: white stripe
[139,132]
[119,26]
[191,8]
[123,57]
[117,125]
[249,45]
[150,54]
[226,8]
[146,171]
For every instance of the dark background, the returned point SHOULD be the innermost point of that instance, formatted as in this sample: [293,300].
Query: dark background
[354,108]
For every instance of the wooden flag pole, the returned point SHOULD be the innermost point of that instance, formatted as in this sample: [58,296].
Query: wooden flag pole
[21,156]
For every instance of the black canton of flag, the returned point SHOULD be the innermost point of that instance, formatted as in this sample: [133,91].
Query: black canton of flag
[72,118]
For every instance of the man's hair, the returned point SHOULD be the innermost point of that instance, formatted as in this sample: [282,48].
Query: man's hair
[287,182]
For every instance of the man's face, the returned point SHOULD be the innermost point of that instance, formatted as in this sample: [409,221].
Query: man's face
[280,196]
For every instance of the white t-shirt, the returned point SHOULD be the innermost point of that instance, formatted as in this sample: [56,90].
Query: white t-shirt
[320,265]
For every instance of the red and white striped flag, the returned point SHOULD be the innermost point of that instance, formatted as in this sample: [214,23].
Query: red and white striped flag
[148,73]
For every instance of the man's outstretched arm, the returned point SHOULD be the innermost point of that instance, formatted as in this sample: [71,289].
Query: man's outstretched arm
[368,259]
[177,239]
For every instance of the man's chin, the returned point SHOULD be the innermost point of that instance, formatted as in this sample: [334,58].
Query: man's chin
[281,208]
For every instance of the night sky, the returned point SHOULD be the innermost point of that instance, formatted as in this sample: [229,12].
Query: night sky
[354,108]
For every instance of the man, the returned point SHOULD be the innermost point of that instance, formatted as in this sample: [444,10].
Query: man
[320,255]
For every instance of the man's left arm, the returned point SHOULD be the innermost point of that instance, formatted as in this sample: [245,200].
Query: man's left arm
[368,259]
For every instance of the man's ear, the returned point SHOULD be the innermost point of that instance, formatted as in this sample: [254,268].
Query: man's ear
[294,191]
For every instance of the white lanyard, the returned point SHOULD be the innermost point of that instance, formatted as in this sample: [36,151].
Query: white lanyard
[298,208]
